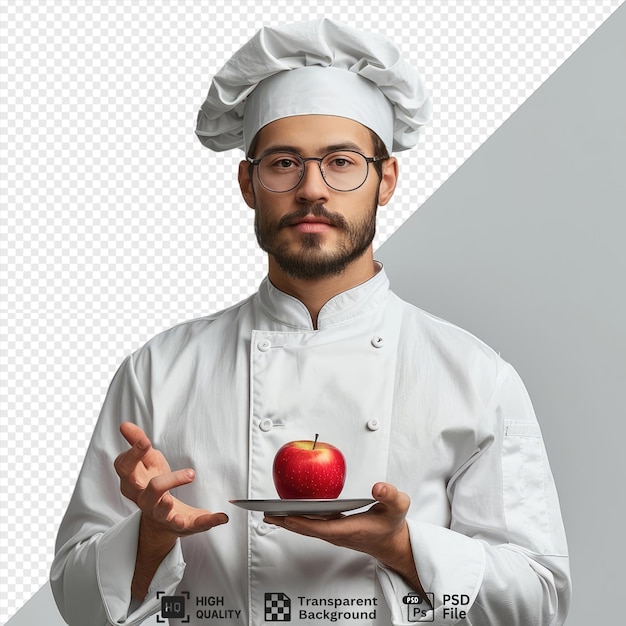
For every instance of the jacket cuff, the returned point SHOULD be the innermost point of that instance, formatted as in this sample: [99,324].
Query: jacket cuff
[450,566]
[115,566]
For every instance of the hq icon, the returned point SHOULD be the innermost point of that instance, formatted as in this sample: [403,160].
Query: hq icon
[172,606]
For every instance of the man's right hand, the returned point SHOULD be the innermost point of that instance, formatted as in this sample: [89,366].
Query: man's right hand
[146,478]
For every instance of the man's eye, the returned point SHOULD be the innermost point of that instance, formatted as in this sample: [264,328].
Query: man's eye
[284,163]
[340,162]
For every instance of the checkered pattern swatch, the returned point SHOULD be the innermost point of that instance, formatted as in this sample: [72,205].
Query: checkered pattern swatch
[117,224]
[277,607]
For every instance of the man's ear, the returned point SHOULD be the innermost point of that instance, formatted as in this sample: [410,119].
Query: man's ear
[245,183]
[388,180]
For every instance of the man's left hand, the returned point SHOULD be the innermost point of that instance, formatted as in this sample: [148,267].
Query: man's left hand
[381,531]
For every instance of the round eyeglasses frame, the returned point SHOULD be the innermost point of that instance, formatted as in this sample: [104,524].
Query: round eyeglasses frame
[319,161]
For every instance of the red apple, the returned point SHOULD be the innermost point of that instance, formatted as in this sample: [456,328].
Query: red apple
[309,469]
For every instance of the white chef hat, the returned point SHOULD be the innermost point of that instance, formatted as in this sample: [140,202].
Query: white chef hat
[319,67]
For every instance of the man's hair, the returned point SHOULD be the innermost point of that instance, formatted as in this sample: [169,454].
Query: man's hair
[380,152]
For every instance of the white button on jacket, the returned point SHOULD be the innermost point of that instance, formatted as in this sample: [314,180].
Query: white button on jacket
[430,409]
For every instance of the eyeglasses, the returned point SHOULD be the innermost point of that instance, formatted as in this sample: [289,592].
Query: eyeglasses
[342,170]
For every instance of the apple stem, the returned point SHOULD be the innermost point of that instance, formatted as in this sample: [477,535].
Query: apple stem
[316,436]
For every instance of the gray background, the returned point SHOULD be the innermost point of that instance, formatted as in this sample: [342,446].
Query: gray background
[525,247]
[108,240]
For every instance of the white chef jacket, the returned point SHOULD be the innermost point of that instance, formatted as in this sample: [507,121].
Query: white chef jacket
[409,399]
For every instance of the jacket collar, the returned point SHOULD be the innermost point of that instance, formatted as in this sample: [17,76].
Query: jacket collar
[291,312]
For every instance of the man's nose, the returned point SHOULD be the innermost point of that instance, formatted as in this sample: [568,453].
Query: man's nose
[312,187]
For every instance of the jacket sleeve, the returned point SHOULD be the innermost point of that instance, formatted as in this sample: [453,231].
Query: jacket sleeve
[96,545]
[503,561]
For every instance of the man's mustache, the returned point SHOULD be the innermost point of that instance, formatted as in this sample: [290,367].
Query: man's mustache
[316,210]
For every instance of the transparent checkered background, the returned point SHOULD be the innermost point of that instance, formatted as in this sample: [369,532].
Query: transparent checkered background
[116,223]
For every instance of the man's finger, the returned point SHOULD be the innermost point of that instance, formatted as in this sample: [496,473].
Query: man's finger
[186,525]
[163,507]
[208,521]
[126,462]
[132,433]
[388,495]
[160,485]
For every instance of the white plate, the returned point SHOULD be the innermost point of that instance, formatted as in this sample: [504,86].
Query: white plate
[303,507]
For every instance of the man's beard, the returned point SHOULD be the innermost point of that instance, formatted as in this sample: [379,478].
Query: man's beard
[310,262]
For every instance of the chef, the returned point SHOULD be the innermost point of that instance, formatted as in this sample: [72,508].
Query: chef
[434,425]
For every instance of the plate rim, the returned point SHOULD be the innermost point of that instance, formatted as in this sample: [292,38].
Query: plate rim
[350,502]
